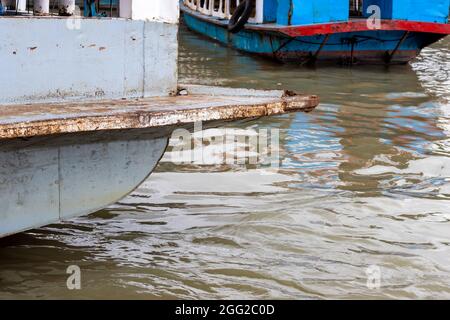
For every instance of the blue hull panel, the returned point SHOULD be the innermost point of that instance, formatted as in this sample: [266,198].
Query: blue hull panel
[365,47]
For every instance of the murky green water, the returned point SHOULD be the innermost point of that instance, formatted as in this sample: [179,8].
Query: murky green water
[364,183]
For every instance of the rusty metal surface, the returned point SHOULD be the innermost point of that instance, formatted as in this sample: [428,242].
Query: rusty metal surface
[33,120]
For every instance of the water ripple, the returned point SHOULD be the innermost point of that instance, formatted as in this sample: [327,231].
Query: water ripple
[364,180]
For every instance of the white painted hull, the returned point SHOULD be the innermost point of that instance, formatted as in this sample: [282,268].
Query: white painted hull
[57,180]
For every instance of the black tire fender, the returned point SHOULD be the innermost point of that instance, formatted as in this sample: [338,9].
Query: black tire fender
[240,16]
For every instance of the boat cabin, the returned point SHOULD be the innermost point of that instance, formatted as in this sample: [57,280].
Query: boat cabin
[303,12]
[436,11]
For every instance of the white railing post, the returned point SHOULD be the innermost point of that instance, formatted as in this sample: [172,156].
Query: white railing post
[41,7]
[220,7]
[259,17]
[19,5]
[211,7]
[192,4]
[66,7]
[224,8]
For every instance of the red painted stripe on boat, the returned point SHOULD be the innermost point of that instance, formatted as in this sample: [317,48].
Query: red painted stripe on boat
[361,25]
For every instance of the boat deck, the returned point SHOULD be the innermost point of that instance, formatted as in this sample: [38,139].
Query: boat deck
[195,103]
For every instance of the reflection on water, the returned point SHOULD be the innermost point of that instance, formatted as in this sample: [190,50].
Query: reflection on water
[365,180]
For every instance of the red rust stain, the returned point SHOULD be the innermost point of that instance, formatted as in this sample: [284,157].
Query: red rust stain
[102,48]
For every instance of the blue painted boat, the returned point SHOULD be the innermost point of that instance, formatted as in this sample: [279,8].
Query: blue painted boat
[333,31]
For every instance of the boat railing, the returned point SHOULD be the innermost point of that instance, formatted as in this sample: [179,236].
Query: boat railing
[103,8]
[223,9]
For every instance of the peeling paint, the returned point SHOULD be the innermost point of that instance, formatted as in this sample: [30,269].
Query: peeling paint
[21,121]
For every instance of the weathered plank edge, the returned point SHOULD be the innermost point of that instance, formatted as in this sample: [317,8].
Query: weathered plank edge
[142,119]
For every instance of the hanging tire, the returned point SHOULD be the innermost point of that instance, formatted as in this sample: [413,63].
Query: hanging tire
[240,16]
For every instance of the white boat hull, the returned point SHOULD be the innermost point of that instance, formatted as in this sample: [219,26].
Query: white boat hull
[59,179]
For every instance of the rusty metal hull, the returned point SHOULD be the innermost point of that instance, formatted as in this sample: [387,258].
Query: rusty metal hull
[59,161]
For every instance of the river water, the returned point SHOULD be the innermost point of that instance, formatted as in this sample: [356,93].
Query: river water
[359,208]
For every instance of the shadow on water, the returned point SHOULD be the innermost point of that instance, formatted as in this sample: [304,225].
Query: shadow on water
[364,180]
